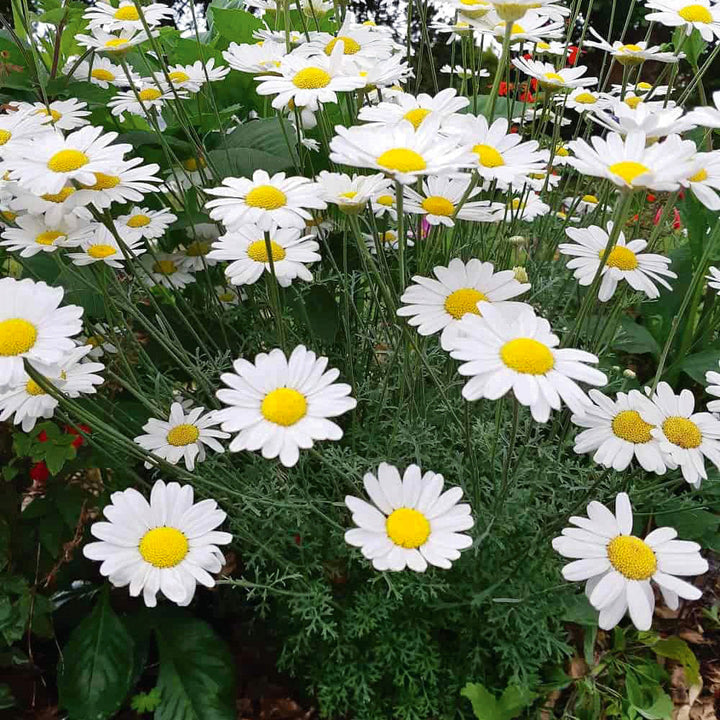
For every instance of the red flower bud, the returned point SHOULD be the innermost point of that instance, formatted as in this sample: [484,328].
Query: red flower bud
[39,472]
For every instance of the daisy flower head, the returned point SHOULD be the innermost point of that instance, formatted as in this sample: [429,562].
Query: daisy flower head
[582,205]
[168,270]
[632,53]
[439,201]
[385,203]
[102,246]
[33,234]
[280,405]
[183,436]
[104,42]
[705,179]
[410,522]
[707,116]
[125,17]
[535,27]
[101,72]
[628,163]
[127,181]
[55,206]
[18,125]
[499,155]
[655,122]
[712,378]
[526,207]
[388,75]
[146,223]
[626,261]
[440,304]
[48,164]
[550,78]
[617,434]
[310,81]
[168,545]
[199,245]
[267,201]
[256,58]
[415,110]
[99,339]
[33,326]
[193,77]
[512,10]
[401,152]
[700,15]
[619,566]
[473,9]
[521,355]
[713,278]
[351,194]
[146,100]
[60,114]
[388,240]
[582,100]
[247,251]
[685,436]
[554,47]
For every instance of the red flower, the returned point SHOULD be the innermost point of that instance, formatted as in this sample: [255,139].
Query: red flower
[650,198]
[79,440]
[572,57]
[39,472]
[533,84]
[526,97]
[677,222]
[42,437]
[502,90]
[527,56]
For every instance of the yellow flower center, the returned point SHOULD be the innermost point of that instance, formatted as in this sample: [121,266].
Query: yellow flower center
[632,102]
[402,160]
[416,116]
[438,205]
[8,215]
[311,78]
[102,74]
[103,182]
[643,86]
[349,195]
[192,164]
[164,547]
[542,45]
[178,76]
[585,98]
[695,14]
[227,296]
[631,557]
[526,355]
[32,388]
[5,135]
[590,199]
[116,43]
[620,258]
[388,237]
[67,161]
[165,267]
[183,435]
[48,237]
[464,301]
[562,151]
[350,45]
[699,176]
[257,251]
[60,197]
[17,336]
[628,425]
[284,406]
[631,48]
[266,197]
[149,94]
[682,432]
[515,30]
[54,114]
[101,251]
[407,528]
[628,170]
[554,77]
[199,248]
[386,200]
[516,204]
[488,156]
[138,221]
[127,12]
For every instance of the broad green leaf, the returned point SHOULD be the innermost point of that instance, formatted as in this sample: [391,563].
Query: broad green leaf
[698,525]
[197,677]
[698,364]
[676,648]
[234,24]
[635,338]
[487,707]
[580,611]
[96,671]
[650,701]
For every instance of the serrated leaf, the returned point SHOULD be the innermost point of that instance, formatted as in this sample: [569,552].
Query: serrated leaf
[487,707]
[96,671]
[197,678]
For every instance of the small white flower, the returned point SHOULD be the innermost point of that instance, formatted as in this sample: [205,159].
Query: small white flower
[100,72]
[619,566]
[582,100]
[102,41]
[146,223]
[526,207]
[193,77]
[168,545]
[34,234]
[199,245]
[511,10]
[555,79]
[146,100]
[351,194]
[60,114]
[17,126]
[712,378]
[388,240]
[705,179]
[632,53]
[125,16]
[713,278]
[700,15]
[127,181]
[411,522]
[102,246]
[655,122]
[255,58]
[534,26]
[166,269]
[705,116]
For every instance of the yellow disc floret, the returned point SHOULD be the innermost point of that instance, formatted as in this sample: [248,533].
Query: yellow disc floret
[351,47]
[48,237]
[102,74]
[178,76]
[699,176]
[311,78]
[67,161]
[682,432]
[402,160]
[488,156]
[32,388]
[621,258]
[416,116]
[284,406]
[165,267]
[60,197]
[257,251]
[586,98]
[527,355]
[266,197]
[628,425]
[127,12]
[149,94]
[632,557]
[438,205]
[101,251]
[464,301]
[164,547]
[695,14]
[138,221]
[407,528]
[103,182]
[628,170]
[184,434]
[17,336]
[5,135]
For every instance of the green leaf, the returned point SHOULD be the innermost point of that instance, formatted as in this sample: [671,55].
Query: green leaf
[650,701]
[197,678]
[487,707]
[675,648]
[96,671]
[698,364]
[233,24]
[698,525]
[146,702]
[635,338]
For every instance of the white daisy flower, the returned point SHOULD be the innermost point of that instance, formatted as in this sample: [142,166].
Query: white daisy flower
[538,182]
[551,78]
[229,296]
[280,405]
[255,58]
[127,181]
[146,223]
[700,15]
[627,161]
[351,194]
[617,433]
[100,72]
[193,77]
[632,53]
[415,110]
[582,99]
[619,566]
[554,47]
[713,278]
[166,269]
[655,122]
[526,208]
[146,100]
[706,116]
[463,72]
[534,26]
[626,261]
[686,437]
[499,154]
[712,378]
[101,246]
[16,125]
[102,41]
[385,203]
[267,201]
[440,199]
[125,16]
[473,9]
[521,354]
[34,234]
[388,240]
[433,305]
[582,205]
[411,522]
[182,437]
[198,247]
[316,8]
[60,114]
[401,152]
[168,545]
[246,249]
[55,206]
[512,10]
[387,75]
[98,338]
[705,179]
[33,326]
[310,81]
[47,164]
